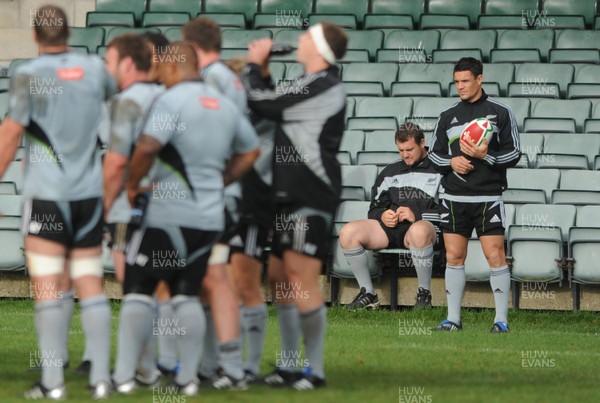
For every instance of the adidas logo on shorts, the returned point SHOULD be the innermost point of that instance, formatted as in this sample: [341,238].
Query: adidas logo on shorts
[236,241]
[494,219]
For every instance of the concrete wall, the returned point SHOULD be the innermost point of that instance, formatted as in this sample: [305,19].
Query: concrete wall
[15,24]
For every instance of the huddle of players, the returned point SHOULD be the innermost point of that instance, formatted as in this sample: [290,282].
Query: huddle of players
[192,139]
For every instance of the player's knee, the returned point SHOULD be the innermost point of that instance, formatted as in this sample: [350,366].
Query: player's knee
[85,266]
[420,234]
[349,236]
[455,258]
[496,257]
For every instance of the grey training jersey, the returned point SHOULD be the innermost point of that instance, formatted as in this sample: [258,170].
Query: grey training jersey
[58,99]
[200,129]
[129,110]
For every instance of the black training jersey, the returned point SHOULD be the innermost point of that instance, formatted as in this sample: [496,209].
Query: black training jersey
[488,180]
[309,113]
[400,185]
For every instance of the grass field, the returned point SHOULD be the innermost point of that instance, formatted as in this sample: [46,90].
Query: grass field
[380,356]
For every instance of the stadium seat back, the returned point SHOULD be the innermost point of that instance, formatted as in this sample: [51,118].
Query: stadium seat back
[414,8]
[470,8]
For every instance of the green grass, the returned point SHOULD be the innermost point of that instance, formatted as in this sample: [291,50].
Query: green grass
[381,356]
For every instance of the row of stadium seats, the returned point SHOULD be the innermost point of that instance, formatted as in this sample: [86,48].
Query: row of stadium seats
[543,241]
[353,12]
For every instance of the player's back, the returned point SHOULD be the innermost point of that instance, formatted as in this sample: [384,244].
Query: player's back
[57,98]
[227,82]
[202,129]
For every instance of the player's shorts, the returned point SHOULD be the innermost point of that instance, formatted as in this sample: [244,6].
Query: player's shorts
[303,230]
[487,218]
[119,235]
[177,255]
[232,217]
[396,235]
[73,224]
[250,239]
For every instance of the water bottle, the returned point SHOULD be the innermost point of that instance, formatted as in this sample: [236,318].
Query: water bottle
[140,203]
[281,49]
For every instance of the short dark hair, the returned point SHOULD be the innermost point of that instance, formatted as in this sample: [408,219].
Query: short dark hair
[136,47]
[469,64]
[336,37]
[204,33]
[407,131]
[157,39]
[50,25]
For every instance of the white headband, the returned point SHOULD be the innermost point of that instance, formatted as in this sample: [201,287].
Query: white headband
[316,31]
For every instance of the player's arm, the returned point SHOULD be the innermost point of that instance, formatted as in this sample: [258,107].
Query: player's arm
[439,149]
[10,137]
[509,153]
[113,170]
[245,151]
[381,203]
[146,150]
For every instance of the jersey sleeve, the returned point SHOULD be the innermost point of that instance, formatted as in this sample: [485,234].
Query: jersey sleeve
[509,153]
[246,138]
[380,198]
[162,123]
[439,149]
[125,115]
[19,102]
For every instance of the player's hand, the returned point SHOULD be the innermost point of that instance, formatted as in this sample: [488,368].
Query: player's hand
[258,52]
[133,192]
[461,165]
[389,218]
[473,150]
[405,214]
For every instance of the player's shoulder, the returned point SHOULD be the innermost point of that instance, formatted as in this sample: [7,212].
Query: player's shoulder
[498,104]
[395,168]
[450,109]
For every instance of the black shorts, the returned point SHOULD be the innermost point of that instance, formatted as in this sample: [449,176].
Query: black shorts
[232,217]
[177,255]
[303,230]
[396,235]
[250,239]
[73,224]
[119,235]
[460,218]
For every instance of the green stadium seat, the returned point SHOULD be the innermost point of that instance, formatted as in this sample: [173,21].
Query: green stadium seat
[386,73]
[399,108]
[356,7]
[247,7]
[430,108]
[79,49]
[414,8]
[588,217]
[549,125]
[154,19]
[355,56]
[137,7]
[380,140]
[369,124]
[12,257]
[585,8]
[350,104]
[353,141]
[597,22]
[413,40]
[542,74]
[499,73]
[191,7]
[470,8]
[90,37]
[98,19]
[587,74]
[576,198]
[545,180]
[529,90]
[501,22]
[349,211]
[289,36]
[230,53]
[523,196]
[583,91]
[440,73]
[530,39]
[483,40]
[227,20]
[575,56]
[287,8]
[581,144]
[368,40]
[293,70]
[575,109]
[490,88]
[591,126]
[566,21]
[578,180]
[116,31]
[378,158]
[531,145]
[441,21]
[402,56]
[515,56]
[361,175]
[386,21]
[364,88]
[14,173]
[262,21]
[454,55]
[8,188]
[346,21]
[509,7]
[4,84]
[173,34]
[101,51]
[239,38]
[583,252]
[416,89]
[520,107]
[277,70]
[3,105]
[577,39]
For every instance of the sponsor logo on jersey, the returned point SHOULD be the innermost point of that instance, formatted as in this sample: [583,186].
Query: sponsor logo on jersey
[209,103]
[70,73]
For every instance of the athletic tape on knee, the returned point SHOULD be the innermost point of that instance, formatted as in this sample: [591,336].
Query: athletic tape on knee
[43,265]
[85,266]
[219,254]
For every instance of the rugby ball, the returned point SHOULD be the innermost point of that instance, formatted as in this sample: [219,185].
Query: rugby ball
[478,130]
